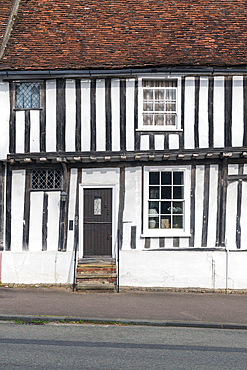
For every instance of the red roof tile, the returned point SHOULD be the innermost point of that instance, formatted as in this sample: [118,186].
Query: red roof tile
[81,34]
[5,10]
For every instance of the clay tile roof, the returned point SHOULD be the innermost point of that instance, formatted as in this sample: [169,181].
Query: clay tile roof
[5,10]
[82,34]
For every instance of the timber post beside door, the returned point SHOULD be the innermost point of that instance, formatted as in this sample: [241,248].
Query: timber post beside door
[97,222]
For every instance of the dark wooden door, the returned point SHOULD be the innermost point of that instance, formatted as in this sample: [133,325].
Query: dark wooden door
[97,222]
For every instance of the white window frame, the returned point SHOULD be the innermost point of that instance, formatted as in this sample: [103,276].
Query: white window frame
[185,232]
[141,127]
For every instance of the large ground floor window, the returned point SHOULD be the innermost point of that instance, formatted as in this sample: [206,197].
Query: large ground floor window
[166,200]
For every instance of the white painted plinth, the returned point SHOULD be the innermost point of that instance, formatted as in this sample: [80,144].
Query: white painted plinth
[37,267]
[183,269]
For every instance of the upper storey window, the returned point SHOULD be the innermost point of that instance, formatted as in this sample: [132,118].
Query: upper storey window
[159,103]
[27,95]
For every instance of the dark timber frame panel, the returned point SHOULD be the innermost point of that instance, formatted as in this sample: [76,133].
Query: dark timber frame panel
[121,205]
[196,122]
[78,116]
[2,181]
[93,114]
[228,112]
[211,112]
[8,208]
[12,120]
[43,116]
[60,114]
[123,114]
[108,114]
[63,219]
[205,206]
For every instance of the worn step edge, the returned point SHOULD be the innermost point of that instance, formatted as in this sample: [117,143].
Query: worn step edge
[92,265]
[96,276]
[95,286]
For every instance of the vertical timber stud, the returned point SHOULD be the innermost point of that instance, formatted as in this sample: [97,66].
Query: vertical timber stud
[93,114]
[44,222]
[8,208]
[121,206]
[1,204]
[60,114]
[12,124]
[205,206]
[197,92]
[211,112]
[25,242]
[63,219]
[76,223]
[137,134]
[108,114]
[245,109]
[133,237]
[123,114]
[27,131]
[42,118]
[228,112]
[78,116]
[239,206]
[192,205]
[221,204]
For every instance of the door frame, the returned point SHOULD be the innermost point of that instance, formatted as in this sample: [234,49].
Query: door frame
[114,214]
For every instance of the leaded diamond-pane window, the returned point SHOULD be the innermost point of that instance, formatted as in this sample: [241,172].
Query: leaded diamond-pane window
[46,179]
[27,95]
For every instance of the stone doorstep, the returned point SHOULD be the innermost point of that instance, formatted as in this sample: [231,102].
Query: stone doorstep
[95,286]
[95,265]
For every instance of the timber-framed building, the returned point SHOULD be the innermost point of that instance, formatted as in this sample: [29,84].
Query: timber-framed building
[124,139]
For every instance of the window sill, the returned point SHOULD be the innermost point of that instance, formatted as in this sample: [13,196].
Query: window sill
[162,234]
[159,129]
[24,109]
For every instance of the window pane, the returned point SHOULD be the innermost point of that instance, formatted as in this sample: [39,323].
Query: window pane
[159,95]
[177,222]
[166,192]
[148,94]
[170,120]
[153,223]
[147,119]
[154,178]
[177,207]
[165,222]
[159,83]
[178,178]
[171,107]
[170,94]
[18,96]
[165,207]
[147,83]
[147,107]
[166,178]
[154,192]
[159,120]
[159,107]
[153,208]
[35,96]
[178,192]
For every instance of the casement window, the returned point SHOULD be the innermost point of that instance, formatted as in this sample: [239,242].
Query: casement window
[159,103]
[27,95]
[46,180]
[166,201]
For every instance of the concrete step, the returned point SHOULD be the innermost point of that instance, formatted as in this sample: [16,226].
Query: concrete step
[97,260]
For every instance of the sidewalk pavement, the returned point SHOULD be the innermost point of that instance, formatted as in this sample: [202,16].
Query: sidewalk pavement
[153,308]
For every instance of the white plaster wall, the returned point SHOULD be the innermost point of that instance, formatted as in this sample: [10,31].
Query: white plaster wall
[115,98]
[133,206]
[17,209]
[181,269]
[20,131]
[37,267]
[100,115]
[219,108]
[189,113]
[71,213]
[85,115]
[51,116]
[130,129]
[203,113]
[4,119]
[70,92]
[34,131]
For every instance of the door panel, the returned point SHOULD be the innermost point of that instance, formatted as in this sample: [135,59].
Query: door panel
[97,223]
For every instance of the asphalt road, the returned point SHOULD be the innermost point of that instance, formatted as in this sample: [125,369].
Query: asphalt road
[196,307]
[67,346]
